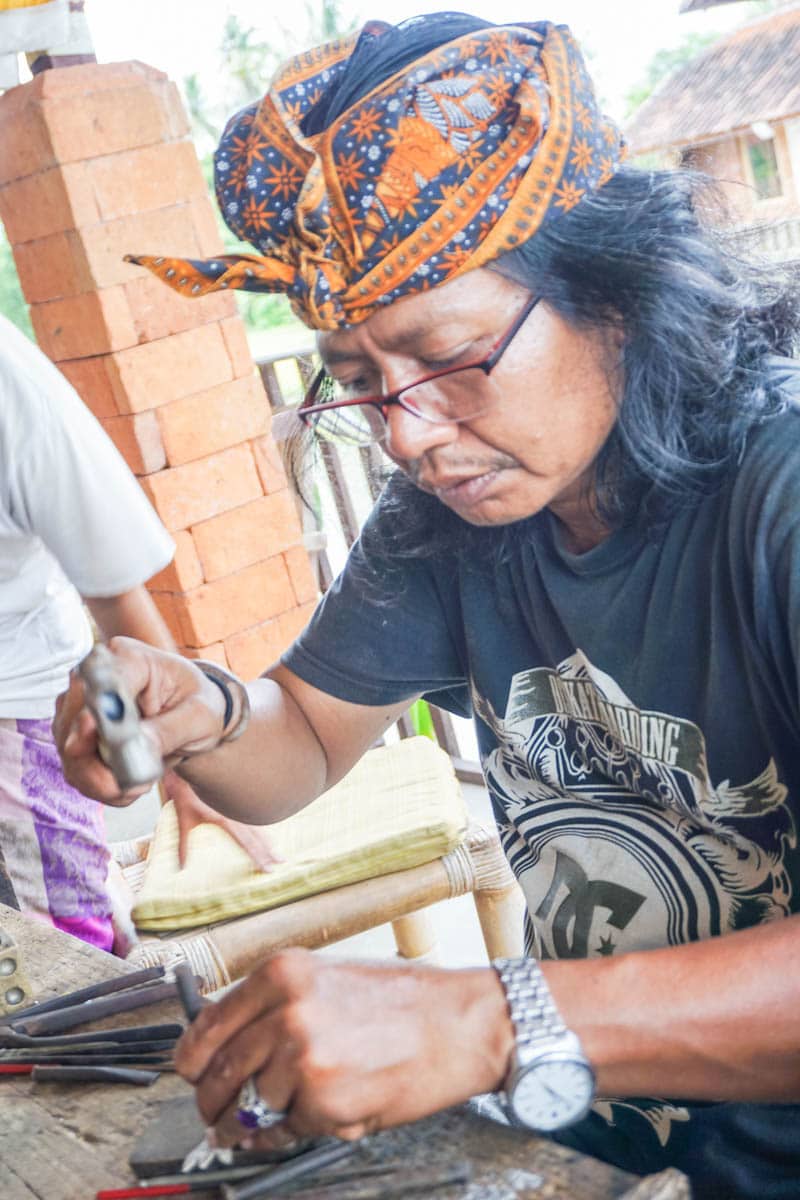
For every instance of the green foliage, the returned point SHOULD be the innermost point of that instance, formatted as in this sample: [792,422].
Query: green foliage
[247,64]
[12,303]
[666,62]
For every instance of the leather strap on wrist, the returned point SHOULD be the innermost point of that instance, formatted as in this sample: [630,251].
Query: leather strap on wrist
[233,689]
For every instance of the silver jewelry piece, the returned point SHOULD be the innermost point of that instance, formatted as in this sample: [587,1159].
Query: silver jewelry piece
[253,1111]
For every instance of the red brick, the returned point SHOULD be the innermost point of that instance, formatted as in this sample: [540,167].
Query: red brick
[138,439]
[167,605]
[207,228]
[50,202]
[216,610]
[104,122]
[88,78]
[245,535]
[215,653]
[301,573]
[69,117]
[155,373]
[183,496]
[146,178]
[71,262]
[184,572]
[90,379]
[254,650]
[53,267]
[25,146]
[233,332]
[270,467]
[175,114]
[82,326]
[222,416]
[158,311]
[293,622]
[165,231]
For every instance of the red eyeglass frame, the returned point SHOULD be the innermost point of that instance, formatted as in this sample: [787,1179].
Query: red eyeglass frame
[485,364]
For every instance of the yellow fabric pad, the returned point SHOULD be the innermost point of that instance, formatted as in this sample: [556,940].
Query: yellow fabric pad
[399,807]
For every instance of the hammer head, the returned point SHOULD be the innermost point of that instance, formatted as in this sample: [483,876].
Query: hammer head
[124,745]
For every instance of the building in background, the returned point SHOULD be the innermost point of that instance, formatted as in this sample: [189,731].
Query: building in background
[734,112]
[697,5]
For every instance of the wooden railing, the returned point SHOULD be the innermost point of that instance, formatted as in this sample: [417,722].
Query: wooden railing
[777,241]
[345,484]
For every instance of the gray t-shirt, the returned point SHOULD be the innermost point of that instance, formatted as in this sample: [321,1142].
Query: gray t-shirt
[637,716]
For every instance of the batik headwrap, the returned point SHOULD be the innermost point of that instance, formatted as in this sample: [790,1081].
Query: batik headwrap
[444,166]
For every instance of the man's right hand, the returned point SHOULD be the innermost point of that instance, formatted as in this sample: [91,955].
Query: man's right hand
[182,710]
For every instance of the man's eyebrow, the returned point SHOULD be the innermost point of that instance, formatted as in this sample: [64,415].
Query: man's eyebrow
[333,358]
[405,337]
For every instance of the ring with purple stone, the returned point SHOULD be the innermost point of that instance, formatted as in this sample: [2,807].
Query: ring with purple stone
[253,1112]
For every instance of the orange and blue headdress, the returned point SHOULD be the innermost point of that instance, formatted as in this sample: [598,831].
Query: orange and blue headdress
[356,195]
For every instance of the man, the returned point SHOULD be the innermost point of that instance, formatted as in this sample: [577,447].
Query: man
[67,497]
[590,545]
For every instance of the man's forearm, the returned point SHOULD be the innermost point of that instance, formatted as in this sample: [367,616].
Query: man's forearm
[275,768]
[712,1020]
[299,742]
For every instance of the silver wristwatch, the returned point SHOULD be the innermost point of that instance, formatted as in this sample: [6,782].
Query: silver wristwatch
[550,1082]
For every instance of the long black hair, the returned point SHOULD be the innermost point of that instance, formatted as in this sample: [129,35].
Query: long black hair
[648,253]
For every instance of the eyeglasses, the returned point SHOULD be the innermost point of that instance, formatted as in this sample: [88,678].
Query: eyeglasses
[454,394]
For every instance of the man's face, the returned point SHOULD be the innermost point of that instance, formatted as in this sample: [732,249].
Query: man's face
[553,401]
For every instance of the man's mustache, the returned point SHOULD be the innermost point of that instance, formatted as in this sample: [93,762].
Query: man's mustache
[418,468]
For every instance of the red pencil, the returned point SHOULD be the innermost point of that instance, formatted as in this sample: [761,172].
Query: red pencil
[170,1185]
[161,1189]
[15,1068]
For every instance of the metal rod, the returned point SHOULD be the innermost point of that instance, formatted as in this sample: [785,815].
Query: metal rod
[104,1006]
[11,1038]
[401,1182]
[62,1074]
[188,991]
[91,1050]
[210,1178]
[106,987]
[156,1061]
[314,1160]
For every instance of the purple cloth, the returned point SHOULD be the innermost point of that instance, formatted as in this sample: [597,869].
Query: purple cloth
[53,838]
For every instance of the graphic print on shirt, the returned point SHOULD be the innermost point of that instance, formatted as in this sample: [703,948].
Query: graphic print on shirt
[618,835]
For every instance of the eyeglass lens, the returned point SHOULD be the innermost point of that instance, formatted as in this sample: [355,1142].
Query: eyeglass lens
[452,397]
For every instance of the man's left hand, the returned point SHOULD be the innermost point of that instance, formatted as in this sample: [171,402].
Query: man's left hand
[192,811]
[345,1048]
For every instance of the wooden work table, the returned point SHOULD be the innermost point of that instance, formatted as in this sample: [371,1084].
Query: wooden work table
[64,1142]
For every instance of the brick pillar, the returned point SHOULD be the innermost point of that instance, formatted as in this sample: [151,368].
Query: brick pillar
[95,161]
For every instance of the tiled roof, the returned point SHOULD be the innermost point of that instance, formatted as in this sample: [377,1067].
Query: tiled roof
[752,74]
[695,5]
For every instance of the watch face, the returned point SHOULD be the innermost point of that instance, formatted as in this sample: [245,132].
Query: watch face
[552,1093]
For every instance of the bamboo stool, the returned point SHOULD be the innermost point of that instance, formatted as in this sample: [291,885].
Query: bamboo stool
[224,952]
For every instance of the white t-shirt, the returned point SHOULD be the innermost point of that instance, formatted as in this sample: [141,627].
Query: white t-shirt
[73,522]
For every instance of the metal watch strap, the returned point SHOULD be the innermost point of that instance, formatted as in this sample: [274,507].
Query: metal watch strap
[533,1011]
[228,682]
